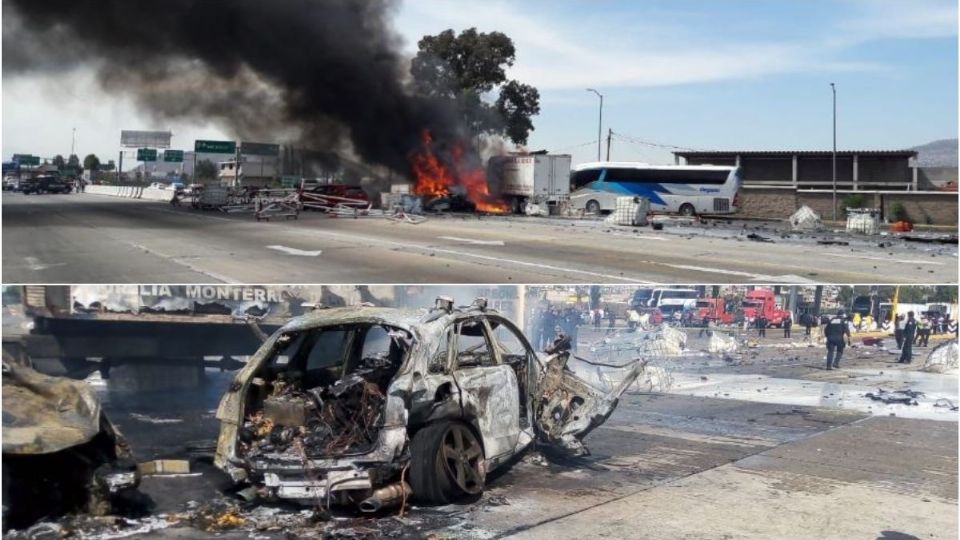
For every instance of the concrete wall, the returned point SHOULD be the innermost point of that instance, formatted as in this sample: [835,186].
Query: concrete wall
[771,203]
[924,208]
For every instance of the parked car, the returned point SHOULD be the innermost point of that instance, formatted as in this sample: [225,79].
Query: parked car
[358,198]
[368,405]
[60,451]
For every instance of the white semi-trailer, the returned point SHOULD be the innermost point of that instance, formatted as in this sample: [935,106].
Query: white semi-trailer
[530,178]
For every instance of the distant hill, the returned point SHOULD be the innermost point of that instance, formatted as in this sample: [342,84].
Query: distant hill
[942,153]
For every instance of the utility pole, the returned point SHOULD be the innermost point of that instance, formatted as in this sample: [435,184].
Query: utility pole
[833,87]
[600,124]
[609,136]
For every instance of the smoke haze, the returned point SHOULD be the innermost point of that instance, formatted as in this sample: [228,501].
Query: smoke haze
[323,74]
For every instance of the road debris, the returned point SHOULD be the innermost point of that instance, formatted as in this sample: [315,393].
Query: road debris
[805,219]
[164,467]
[942,358]
[721,343]
[905,397]
[758,238]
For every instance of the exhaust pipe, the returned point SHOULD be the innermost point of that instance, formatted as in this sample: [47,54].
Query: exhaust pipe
[386,497]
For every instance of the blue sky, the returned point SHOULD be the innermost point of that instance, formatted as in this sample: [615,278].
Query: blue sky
[721,74]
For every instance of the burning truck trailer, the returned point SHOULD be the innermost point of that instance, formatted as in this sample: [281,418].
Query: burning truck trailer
[452,177]
[369,407]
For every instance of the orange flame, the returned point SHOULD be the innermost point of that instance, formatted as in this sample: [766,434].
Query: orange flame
[435,178]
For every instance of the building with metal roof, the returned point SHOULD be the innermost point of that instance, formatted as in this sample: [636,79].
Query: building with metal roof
[892,170]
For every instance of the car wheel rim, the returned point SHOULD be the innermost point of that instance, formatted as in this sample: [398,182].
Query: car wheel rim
[463,459]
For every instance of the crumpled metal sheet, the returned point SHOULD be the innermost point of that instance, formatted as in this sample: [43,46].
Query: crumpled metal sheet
[665,341]
[43,414]
[942,358]
[805,219]
[722,343]
[570,408]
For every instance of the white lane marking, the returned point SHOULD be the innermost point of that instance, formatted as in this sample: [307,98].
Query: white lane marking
[639,236]
[885,259]
[352,238]
[751,275]
[295,251]
[175,260]
[473,241]
[34,264]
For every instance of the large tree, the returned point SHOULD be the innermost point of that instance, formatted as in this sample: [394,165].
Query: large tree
[91,162]
[59,162]
[467,69]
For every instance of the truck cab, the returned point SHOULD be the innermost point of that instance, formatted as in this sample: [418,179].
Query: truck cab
[763,302]
[718,310]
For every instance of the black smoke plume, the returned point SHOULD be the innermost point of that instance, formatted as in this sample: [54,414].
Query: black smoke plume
[314,72]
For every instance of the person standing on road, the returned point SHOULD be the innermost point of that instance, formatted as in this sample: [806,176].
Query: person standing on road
[807,320]
[787,325]
[923,331]
[597,318]
[761,326]
[898,330]
[837,332]
[611,321]
[909,332]
[704,326]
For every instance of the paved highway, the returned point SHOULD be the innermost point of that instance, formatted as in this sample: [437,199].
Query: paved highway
[85,238]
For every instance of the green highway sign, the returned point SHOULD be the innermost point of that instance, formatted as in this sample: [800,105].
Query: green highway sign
[26,159]
[175,156]
[146,154]
[259,149]
[215,147]
[287,181]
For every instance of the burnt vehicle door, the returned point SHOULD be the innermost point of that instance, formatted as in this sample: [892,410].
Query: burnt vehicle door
[489,389]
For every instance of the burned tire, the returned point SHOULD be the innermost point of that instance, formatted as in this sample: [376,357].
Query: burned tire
[687,209]
[593,207]
[446,463]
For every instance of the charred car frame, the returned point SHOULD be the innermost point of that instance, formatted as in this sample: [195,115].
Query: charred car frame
[369,406]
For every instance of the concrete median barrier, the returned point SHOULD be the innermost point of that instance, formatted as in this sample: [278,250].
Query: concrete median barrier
[132,192]
[156,194]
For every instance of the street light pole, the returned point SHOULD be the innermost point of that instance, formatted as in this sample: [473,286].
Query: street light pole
[833,87]
[600,123]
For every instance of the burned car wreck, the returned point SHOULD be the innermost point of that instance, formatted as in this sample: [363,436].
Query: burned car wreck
[61,453]
[372,406]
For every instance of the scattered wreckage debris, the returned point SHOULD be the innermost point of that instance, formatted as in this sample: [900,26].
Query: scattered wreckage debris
[946,403]
[721,343]
[805,219]
[930,239]
[373,407]
[942,358]
[905,397]
[758,238]
[164,467]
[60,451]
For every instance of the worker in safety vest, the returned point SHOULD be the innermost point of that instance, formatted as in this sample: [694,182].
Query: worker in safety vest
[923,332]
